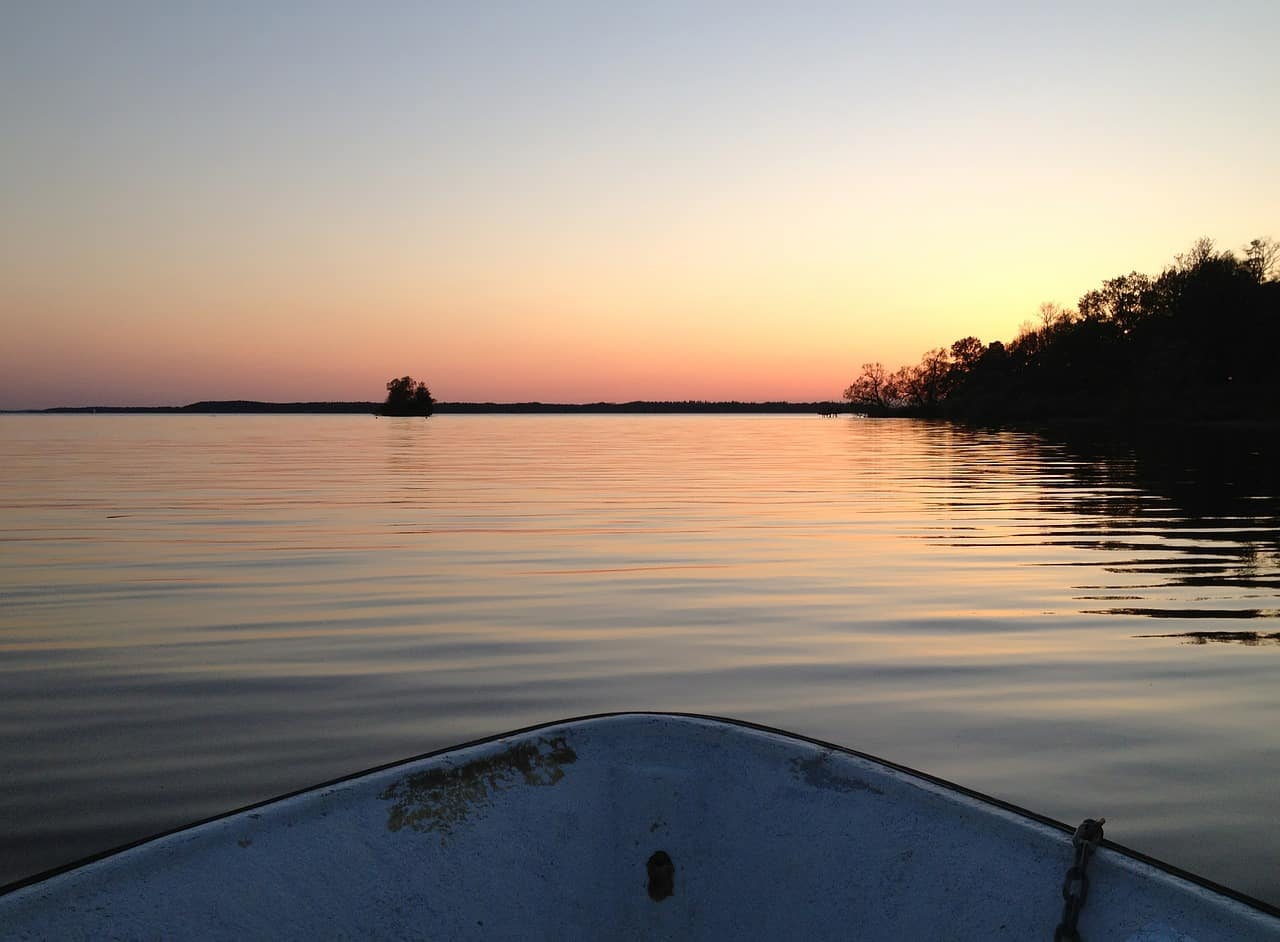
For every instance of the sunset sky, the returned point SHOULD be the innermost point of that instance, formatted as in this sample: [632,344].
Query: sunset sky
[580,202]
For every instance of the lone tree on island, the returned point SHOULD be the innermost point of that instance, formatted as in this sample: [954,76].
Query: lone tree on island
[406,396]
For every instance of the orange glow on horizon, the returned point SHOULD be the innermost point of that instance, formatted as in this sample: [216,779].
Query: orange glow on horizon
[747,213]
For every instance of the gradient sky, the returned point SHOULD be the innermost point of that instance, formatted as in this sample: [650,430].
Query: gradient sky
[579,202]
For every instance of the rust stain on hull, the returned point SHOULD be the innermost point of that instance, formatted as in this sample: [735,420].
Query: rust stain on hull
[818,773]
[437,799]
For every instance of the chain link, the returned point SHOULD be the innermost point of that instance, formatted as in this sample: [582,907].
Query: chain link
[1075,887]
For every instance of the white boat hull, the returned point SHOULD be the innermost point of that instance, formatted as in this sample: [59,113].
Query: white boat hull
[551,833]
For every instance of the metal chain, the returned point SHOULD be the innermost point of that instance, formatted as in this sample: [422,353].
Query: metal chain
[1075,888]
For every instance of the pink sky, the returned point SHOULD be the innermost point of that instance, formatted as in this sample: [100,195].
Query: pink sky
[583,205]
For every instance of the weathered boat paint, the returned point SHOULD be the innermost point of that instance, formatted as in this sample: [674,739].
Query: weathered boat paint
[625,826]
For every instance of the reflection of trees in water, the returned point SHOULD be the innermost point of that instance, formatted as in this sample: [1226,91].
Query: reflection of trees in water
[1189,518]
[1250,638]
[1217,510]
[1223,481]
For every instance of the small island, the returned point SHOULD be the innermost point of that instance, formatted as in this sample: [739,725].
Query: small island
[407,397]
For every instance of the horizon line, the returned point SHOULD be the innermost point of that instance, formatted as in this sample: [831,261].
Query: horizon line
[360,405]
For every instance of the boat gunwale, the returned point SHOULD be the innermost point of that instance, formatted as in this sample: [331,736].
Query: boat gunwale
[1161,865]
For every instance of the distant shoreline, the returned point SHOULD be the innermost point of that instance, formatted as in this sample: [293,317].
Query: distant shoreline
[1119,422]
[251,407]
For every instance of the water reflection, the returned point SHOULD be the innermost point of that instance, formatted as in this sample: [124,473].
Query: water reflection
[1200,512]
[1250,638]
[199,613]
[1220,532]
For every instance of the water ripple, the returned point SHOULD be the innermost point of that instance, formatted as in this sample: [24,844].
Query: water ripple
[202,613]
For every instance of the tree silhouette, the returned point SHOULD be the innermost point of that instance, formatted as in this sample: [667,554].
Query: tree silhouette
[873,390]
[1262,258]
[406,396]
[966,352]
[1198,341]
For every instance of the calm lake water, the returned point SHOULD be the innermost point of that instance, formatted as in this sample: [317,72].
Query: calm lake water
[198,612]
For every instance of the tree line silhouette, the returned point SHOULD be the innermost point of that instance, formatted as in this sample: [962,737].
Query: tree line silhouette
[1199,341]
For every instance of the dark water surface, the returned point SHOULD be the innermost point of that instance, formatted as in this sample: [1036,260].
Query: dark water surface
[200,612]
